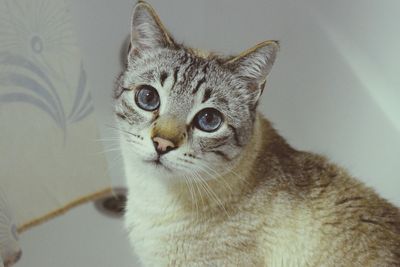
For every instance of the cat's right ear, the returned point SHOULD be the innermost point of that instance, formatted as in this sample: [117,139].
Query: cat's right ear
[147,31]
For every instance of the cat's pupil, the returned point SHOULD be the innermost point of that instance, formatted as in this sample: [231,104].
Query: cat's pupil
[209,117]
[149,96]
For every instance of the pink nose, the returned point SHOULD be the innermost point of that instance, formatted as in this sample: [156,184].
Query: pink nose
[162,145]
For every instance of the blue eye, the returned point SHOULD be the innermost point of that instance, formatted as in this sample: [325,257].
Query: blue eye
[208,120]
[147,98]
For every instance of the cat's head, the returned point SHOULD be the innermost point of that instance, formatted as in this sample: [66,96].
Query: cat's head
[182,112]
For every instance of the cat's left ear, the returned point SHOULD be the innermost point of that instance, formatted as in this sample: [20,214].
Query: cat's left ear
[147,30]
[254,64]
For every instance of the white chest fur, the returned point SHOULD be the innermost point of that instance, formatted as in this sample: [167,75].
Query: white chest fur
[163,235]
[148,205]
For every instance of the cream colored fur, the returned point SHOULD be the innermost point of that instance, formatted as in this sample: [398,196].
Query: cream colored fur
[266,220]
[267,204]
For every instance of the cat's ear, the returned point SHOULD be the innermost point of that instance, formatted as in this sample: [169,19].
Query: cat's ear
[254,64]
[147,31]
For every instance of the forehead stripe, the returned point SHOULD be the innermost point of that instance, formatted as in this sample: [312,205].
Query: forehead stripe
[184,58]
[207,95]
[163,77]
[199,83]
[205,68]
[176,70]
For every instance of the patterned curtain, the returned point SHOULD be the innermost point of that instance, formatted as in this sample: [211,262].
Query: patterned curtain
[50,156]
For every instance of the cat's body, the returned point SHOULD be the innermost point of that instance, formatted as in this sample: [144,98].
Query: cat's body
[210,181]
[296,209]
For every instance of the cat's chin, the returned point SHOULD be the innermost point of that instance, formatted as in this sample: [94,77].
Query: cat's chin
[169,174]
[158,165]
[160,169]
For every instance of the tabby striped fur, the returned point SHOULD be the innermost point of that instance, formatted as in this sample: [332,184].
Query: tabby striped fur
[239,196]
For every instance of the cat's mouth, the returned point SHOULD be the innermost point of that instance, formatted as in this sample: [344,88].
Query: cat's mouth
[157,162]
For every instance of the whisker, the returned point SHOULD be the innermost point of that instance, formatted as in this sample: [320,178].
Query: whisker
[198,189]
[219,178]
[210,192]
[107,139]
[114,163]
[230,170]
[106,151]
[192,195]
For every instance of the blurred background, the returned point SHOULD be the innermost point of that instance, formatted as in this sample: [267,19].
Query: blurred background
[334,90]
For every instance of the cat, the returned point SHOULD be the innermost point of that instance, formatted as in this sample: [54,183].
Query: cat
[212,183]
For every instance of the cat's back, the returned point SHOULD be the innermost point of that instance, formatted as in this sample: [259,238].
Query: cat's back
[320,214]
[357,226]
